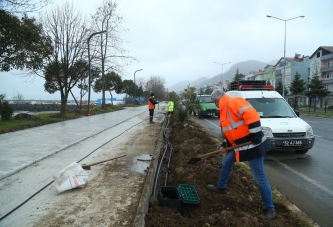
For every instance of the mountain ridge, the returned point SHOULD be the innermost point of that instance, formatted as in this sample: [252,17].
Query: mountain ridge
[244,67]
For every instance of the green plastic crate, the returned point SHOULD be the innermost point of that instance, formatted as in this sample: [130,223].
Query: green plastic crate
[188,194]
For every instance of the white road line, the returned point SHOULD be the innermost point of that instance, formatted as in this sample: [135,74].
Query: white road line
[314,122]
[213,123]
[305,178]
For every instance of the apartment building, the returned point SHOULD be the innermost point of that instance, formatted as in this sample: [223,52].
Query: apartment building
[321,64]
[294,65]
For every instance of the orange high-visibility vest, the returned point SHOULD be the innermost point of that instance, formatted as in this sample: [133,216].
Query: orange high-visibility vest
[151,105]
[236,114]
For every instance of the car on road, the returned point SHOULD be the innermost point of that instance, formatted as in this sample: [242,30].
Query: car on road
[280,123]
[205,107]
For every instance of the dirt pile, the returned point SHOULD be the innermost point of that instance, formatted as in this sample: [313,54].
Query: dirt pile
[239,207]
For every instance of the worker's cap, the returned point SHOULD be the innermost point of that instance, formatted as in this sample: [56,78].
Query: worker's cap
[152,94]
[216,95]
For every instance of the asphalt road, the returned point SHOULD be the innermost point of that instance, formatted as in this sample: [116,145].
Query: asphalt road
[305,179]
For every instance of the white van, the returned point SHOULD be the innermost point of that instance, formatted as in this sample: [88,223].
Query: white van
[280,124]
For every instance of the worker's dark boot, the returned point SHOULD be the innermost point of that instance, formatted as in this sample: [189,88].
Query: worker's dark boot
[215,188]
[151,120]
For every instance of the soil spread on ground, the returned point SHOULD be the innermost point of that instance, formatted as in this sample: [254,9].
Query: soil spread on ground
[240,206]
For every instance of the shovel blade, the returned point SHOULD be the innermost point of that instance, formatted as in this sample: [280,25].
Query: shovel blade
[85,167]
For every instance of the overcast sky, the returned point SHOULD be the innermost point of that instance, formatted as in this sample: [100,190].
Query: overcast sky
[181,39]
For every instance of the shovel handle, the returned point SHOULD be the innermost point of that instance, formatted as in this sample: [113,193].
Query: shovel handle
[95,163]
[227,149]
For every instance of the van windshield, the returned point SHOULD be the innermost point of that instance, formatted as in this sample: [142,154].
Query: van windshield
[272,107]
[205,99]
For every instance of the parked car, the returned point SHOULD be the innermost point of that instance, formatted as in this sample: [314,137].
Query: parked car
[205,107]
[280,123]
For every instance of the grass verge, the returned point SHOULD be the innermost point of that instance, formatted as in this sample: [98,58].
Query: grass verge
[25,121]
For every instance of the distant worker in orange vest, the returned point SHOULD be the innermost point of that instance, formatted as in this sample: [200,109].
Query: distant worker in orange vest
[240,123]
[151,107]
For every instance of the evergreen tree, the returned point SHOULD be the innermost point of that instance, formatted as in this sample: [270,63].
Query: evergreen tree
[22,43]
[279,88]
[189,100]
[111,82]
[316,89]
[208,90]
[297,87]
[238,76]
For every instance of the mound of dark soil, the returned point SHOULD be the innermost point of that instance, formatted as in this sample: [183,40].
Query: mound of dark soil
[24,116]
[241,205]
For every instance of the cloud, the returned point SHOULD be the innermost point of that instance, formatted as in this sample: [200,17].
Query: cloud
[180,39]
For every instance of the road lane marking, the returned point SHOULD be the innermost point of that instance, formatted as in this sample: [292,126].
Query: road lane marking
[314,122]
[212,123]
[305,177]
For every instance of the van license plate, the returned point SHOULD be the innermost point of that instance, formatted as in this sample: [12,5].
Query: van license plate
[292,143]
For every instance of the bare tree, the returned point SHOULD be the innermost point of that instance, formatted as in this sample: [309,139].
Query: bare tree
[24,6]
[67,65]
[18,97]
[112,55]
[156,85]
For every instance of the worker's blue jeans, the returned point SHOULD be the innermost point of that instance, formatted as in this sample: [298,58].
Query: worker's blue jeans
[258,173]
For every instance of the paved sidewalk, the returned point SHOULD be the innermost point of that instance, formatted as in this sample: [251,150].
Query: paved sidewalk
[25,147]
[29,158]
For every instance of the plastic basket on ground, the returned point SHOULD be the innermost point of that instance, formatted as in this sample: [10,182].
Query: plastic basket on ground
[188,194]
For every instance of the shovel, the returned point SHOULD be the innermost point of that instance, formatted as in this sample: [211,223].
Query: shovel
[198,158]
[87,166]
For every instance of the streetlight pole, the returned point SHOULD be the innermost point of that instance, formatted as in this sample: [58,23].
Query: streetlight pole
[135,85]
[284,53]
[222,71]
[96,33]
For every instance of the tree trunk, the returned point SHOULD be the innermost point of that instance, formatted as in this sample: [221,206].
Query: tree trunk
[103,92]
[111,98]
[315,104]
[63,105]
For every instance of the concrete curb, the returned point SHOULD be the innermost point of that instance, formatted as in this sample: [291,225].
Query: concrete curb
[295,210]
[290,206]
[143,207]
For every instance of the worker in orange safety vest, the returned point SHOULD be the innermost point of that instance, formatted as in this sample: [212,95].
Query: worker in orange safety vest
[151,107]
[240,123]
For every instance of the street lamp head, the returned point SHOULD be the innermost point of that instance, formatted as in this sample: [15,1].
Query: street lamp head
[302,16]
[268,16]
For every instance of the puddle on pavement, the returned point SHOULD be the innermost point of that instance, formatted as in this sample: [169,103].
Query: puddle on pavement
[141,163]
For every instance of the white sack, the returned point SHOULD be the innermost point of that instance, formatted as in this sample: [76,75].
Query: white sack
[73,176]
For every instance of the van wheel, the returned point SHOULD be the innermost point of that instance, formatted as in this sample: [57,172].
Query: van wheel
[302,151]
